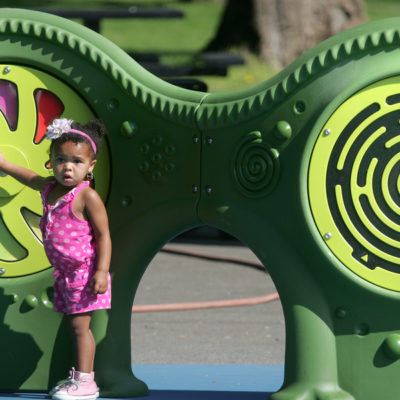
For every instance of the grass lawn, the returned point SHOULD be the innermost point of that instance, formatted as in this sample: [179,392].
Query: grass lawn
[379,9]
[179,40]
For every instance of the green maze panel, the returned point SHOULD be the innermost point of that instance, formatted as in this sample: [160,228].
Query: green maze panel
[357,157]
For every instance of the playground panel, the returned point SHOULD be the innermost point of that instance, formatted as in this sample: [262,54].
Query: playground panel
[303,168]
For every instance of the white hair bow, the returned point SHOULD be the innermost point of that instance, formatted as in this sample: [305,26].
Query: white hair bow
[58,127]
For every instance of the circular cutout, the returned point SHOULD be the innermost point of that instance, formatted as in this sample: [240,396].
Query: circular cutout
[299,107]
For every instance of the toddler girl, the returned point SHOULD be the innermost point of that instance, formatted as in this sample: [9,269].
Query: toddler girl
[76,239]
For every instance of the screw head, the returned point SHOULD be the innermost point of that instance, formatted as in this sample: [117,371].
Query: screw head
[126,201]
[209,189]
[6,70]
[209,140]
[327,132]
[195,139]
[328,235]
[195,188]
[2,271]
[112,104]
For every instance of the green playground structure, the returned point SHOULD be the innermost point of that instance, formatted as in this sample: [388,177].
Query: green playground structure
[304,169]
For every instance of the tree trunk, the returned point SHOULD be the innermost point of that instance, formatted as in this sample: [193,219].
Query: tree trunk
[280,30]
[237,27]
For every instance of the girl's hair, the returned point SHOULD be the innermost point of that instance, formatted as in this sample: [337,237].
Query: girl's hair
[94,128]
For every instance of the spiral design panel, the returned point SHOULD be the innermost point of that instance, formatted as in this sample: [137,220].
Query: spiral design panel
[354,183]
[255,166]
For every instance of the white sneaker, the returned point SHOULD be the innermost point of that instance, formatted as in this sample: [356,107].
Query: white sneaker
[81,387]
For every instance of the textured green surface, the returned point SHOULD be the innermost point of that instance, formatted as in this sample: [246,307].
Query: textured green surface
[244,162]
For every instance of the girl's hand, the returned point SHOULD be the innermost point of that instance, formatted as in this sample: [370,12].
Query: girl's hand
[99,282]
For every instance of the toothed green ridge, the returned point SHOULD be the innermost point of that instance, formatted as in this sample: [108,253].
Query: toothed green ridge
[328,54]
[63,33]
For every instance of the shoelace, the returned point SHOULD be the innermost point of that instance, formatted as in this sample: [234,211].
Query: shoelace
[73,384]
[70,383]
[70,380]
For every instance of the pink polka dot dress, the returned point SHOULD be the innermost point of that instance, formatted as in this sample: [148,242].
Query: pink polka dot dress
[70,247]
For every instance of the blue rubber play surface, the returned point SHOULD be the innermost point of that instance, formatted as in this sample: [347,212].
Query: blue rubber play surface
[199,382]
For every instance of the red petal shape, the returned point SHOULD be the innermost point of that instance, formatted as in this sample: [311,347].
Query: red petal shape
[48,106]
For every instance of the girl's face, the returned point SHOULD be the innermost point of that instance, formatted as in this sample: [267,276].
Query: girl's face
[71,162]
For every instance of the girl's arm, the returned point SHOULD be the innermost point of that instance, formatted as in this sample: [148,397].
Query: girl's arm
[97,215]
[23,175]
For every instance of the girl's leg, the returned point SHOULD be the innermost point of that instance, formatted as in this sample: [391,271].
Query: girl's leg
[83,339]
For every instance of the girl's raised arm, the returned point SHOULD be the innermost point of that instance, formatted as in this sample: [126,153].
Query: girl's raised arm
[22,174]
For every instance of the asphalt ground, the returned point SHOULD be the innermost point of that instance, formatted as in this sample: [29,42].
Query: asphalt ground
[253,334]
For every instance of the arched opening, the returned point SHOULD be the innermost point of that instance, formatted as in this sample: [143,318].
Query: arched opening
[212,303]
